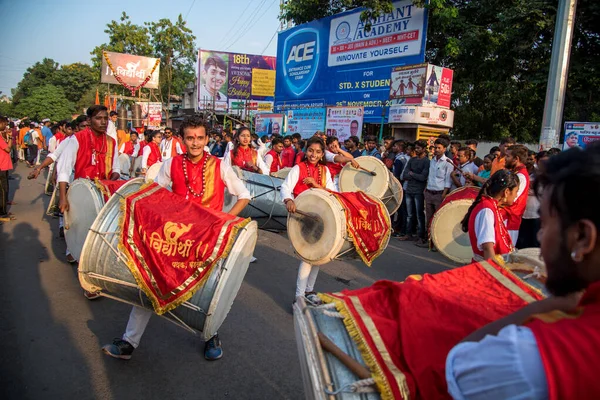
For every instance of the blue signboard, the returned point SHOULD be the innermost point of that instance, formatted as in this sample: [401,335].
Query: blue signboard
[334,61]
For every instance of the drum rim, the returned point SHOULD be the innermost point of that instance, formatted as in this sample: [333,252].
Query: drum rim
[392,178]
[348,167]
[330,199]
[147,179]
[246,234]
[438,214]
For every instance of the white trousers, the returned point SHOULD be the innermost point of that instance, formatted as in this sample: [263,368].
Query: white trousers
[138,320]
[307,276]
[514,235]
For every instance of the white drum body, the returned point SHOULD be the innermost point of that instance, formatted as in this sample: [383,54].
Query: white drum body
[324,236]
[85,202]
[383,185]
[152,172]
[266,206]
[125,165]
[322,373]
[103,269]
[447,233]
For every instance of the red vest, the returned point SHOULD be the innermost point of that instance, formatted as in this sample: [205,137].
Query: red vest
[287,157]
[154,156]
[299,158]
[569,345]
[243,156]
[59,137]
[307,170]
[128,148]
[98,150]
[334,168]
[276,164]
[173,146]
[213,195]
[514,213]
[503,243]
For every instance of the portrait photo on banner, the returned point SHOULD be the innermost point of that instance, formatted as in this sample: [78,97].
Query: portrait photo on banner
[213,80]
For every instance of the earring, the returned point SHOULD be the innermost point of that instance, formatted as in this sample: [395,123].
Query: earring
[574,256]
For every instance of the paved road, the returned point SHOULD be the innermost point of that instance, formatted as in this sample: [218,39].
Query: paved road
[51,335]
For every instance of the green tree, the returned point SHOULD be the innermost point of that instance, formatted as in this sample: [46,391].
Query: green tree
[46,101]
[41,73]
[75,80]
[6,109]
[174,45]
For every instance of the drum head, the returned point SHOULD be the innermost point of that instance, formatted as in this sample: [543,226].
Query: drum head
[353,180]
[394,195]
[282,173]
[447,233]
[85,202]
[232,275]
[319,239]
[152,172]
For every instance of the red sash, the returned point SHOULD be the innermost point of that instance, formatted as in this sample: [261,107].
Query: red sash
[154,156]
[503,243]
[243,156]
[569,345]
[514,213]
[276,164]
[213,195]
[306,171]
[98,150]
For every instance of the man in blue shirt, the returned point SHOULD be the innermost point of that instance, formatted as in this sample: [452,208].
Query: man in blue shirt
[371,147]
[46,132]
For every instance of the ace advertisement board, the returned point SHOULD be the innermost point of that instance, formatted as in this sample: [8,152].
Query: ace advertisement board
[335,61]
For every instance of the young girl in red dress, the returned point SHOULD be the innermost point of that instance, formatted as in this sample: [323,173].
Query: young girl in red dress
[151,153]
[487,231]
[243,155]
[310,173]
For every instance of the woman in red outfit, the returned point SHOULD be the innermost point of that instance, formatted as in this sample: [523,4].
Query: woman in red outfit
[151,153]
[243,155]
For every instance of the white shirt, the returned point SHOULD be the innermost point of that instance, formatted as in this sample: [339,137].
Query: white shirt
[439,174]
[287,187]
[466,167]
[165,148]
[269,161]
[259,163]
[329,156]
[69,156]
[52,144]
[136,149]
[262,149]
[55,155]
[145,154]
[484,227]
[111,130]
[230,179]
[532,209]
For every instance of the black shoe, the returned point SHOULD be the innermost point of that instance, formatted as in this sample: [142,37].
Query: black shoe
[119,349]
[61,232]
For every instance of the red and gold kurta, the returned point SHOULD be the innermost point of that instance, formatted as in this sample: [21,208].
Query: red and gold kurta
[244,156]
[276,165]
[307,171]
[207,171]
[95,155]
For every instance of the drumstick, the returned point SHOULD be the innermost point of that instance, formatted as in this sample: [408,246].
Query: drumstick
[366,170]
[307,215]
[353,365]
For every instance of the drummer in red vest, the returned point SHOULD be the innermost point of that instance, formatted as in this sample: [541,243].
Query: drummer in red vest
[336,158]
[131,147]
[516,157]
[243,155]
[273,157]
[186,175]
[487,233]
[550,349]
[151,153]
[288,154]
[310,173]
[170,146]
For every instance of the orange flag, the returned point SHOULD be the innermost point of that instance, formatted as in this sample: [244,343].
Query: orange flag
[106,101]
[97,102]
[114,106]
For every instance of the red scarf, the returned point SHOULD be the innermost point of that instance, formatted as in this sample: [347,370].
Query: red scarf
[213,195]
[569,345]
[503,243]
[306,171]
[247,155]
[154,156]
[276,164]
[95,155]
[514,213]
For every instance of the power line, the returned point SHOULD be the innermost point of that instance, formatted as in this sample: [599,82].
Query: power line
[190,9]
[244,26]
[272,37]
[255,22]
[225,38]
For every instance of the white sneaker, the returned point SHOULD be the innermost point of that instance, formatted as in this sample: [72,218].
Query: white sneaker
[253,259]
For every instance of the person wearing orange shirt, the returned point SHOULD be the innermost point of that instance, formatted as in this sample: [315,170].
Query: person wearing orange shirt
[500,161]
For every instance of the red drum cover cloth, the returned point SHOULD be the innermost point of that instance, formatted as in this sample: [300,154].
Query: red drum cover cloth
[405,330]
[108,187]
[465,192]
[367,222]
[172,245]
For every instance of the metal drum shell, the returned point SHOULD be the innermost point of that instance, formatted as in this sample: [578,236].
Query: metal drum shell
[103,269]
[266,206]
[321,370]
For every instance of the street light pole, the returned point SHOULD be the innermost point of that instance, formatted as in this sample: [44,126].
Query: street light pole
[557,76]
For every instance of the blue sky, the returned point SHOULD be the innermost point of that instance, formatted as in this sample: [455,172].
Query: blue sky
[67,30]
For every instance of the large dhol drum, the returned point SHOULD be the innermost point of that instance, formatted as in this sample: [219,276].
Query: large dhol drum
[103,269]
[282,173]
[323,235]
[446,231]
[266,206]
[324,376]
[383,185]
[152,172]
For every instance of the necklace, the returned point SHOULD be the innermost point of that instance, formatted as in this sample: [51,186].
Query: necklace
[187,181]
[167,149]
[319,181]
[94,151]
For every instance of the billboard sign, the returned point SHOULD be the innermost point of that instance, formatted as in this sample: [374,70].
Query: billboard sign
[580,134]
[225,78]
[151,113]
[132,70]
[268,124]
[422,84]
[305,121]
[343,122]
[403,114]
[334,61]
